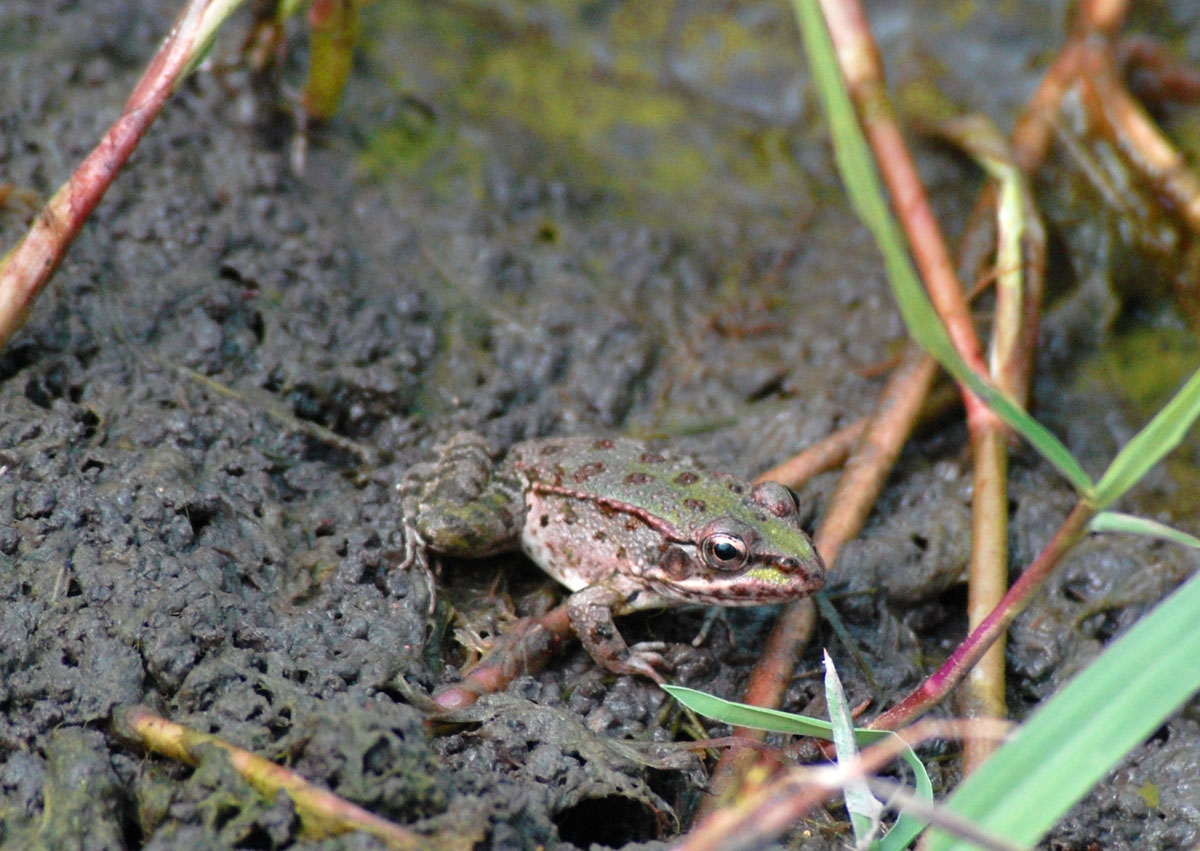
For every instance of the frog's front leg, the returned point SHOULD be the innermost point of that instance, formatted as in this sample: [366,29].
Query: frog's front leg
[591,613]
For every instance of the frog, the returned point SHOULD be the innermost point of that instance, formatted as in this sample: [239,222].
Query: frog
[623,526]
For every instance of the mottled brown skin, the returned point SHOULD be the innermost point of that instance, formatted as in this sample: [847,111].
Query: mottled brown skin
[622,526]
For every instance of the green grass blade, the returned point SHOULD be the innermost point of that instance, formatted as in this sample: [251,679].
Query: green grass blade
[1113,521]
[906,828]
[754,717]
[864,808]
[866,194]
[212,15]
[1151,444]
[1079,735]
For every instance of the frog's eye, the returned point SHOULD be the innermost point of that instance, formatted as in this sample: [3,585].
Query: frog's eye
[724,551]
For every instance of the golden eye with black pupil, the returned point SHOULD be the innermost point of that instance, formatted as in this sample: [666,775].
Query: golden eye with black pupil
[724,551]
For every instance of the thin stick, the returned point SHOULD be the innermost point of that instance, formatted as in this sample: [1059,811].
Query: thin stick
[323,813]
[27,268]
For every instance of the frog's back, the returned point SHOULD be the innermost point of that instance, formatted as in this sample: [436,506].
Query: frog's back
[669,487]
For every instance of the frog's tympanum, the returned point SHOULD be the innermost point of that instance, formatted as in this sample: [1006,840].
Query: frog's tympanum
[622,526]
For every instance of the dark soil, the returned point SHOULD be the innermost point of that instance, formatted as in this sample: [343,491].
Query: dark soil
[203,422]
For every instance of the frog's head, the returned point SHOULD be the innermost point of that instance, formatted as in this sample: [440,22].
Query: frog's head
[750,550]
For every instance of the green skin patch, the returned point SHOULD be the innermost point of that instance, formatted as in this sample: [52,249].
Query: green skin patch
[767,574]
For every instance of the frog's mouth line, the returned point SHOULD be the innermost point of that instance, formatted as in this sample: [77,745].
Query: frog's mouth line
[759,585]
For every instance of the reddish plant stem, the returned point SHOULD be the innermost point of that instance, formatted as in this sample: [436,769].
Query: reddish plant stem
[863,72]
[936,687]
[1149,151]
[1087,52]
[26,269]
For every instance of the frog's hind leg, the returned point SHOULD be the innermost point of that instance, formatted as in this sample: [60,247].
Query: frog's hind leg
[460,504]
[468,506]
[455,505]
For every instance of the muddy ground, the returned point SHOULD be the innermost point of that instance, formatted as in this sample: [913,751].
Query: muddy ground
[528,221]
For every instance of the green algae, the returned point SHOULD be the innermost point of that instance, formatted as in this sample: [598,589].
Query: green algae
[587,94]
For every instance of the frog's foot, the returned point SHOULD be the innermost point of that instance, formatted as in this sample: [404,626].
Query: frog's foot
[714,614]
[416,556]
[644,658]
[414,549]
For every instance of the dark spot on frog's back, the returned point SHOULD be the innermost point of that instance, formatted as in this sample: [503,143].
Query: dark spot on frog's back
[686,478]
[696,505]
[638,479]
[550,449]
[604,443]
[736,487]
[652,458]
[586,472]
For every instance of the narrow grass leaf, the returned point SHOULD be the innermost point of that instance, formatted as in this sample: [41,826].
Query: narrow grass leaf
[1081,733]
[864,808]
[1114,521]
[212,14]
[1151,444]
[753,717]
[866,195]
[906,828]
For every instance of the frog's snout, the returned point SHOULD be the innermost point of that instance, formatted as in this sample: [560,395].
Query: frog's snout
[810,570]
[789,576]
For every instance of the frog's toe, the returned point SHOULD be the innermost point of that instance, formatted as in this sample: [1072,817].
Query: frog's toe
[649,648]
[643,666]
[644,658]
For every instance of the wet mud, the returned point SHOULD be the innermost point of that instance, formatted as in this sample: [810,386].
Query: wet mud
[204,421]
